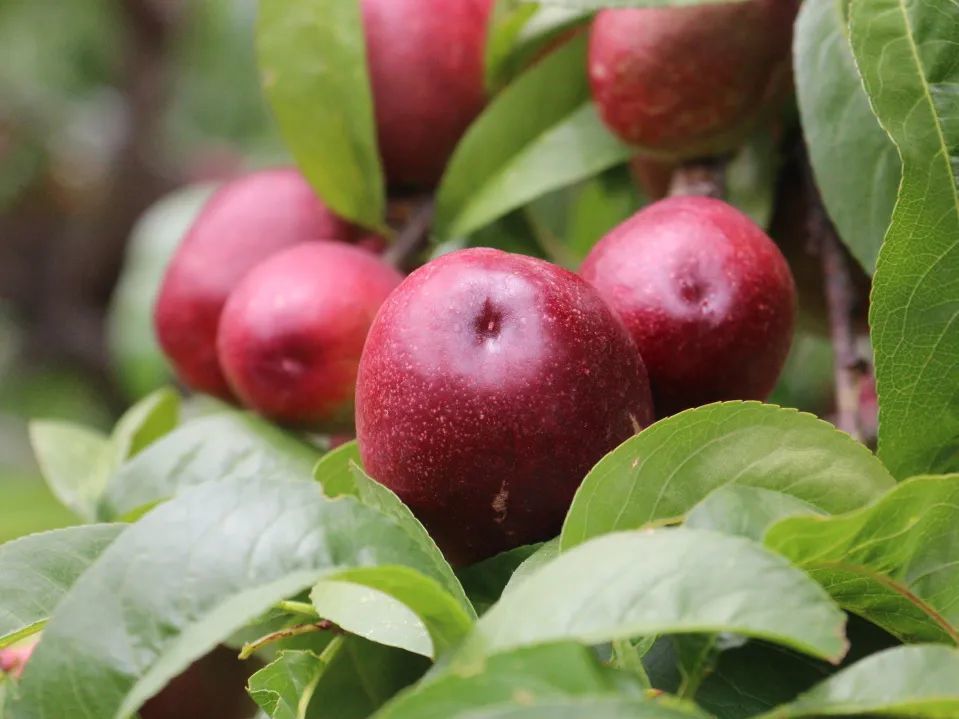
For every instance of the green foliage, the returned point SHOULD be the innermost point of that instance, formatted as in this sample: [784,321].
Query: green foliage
[905,53]
[855,163]
[313,65]
[660,474]
[893,562]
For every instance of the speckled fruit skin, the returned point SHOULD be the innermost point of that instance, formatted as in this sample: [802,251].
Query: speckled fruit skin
[426,71]
[489,386]
[706,295]
[292,332]
[690,81]
[245,221]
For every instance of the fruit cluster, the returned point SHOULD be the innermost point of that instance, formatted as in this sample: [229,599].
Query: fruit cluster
[486,384]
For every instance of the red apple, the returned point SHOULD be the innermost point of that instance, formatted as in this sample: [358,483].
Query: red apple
[706,295]
[426,71]
[246,221]
[690,81]
[292,331]
[489,386]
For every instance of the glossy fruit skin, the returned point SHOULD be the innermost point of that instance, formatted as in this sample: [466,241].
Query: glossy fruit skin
[425,62]
[292,332]
[683,82]
[245,221]
[489,386]
[706,295]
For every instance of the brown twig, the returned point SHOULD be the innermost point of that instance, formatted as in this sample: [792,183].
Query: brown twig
[850,367]
[412,237]
[706,178]
[324,625]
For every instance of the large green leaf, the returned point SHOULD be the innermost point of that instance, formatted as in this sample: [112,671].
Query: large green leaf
[357,483]
[222,445]
[660,474]
[313,64]
[541,133]
[669,581]
[536,674]
[393,605]
[894,562]
[188,575]
[745,511]
[918,681]
[36,571]
[855,163]
[905,50]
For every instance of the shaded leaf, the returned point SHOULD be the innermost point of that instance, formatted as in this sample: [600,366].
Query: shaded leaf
[745,511]
[485,581]
[660,474]
[906,55]
[893,562]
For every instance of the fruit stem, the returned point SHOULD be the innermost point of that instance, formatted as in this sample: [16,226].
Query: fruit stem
[411,238]
[304,608]
[250,648]
[704,177]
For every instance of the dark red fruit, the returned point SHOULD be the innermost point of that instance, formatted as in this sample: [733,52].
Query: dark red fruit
[690,81]
[706,295]
[292,332]
[489,386]
[246,221]
[426,72]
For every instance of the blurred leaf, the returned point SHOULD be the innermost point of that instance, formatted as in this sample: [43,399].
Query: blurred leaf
[855,163]
[485,581]
[28,506]
[602,203]
[140,364]
[601,4]
[893,562]
[745,511]
[313,64]
[36,571]
[590,708]
[589,594]
[519,32]
[76,463]
[218,446]
[751,177]
[151,418]
[396,606]
[906,55]
[186,576]
[660,474]
[917,681]
[807,382]
[524,675]
[541,133]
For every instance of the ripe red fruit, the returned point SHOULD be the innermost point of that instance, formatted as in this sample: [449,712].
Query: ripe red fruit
[706,295]
[292,331]
[690,81]
[490,384]
[246,221]
[426,71]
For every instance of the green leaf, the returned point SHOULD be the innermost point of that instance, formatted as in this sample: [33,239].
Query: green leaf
[660,474]
[485,581]
[522,676]
[541,133]
[591,708]
[37,570]
[918,681]
[153,417]
[906,55]
[518,33]
[373,494]
[227,444]
[396,606]
[284,687]
[314,71]
[188,575]
[76,463]
[855,164]
[745,511]
[893,562]
[751,177]
[675,581]
[547,552]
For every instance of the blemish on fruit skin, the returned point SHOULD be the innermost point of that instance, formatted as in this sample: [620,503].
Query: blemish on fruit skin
[499,503]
